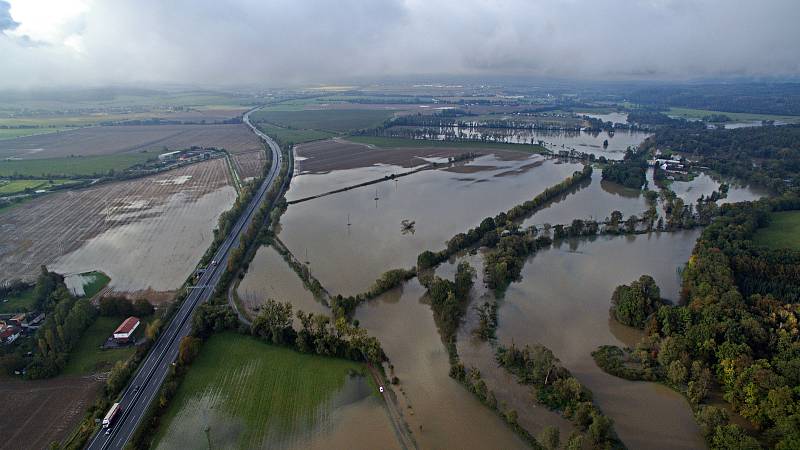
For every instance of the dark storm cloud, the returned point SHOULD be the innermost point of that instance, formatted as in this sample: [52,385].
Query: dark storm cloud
[285,42]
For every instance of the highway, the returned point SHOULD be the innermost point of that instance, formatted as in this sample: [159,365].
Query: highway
[145,384]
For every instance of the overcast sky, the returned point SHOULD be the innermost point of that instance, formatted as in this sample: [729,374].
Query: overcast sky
[284,42]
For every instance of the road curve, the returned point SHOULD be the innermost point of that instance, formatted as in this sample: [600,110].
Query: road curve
[145,384]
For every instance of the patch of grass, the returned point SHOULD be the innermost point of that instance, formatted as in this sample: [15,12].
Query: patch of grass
[335,120]
[782,232]
[292,136]
[257,387]
[100,281]
[87,357]
[18,303]
[73,166]
[384,142]
[688,113]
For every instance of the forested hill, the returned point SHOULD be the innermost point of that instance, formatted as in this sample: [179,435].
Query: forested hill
[761,98]
[767,155]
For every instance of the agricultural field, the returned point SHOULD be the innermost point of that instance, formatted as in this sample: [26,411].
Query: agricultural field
[696,114]
[292,135]
[782,232]
[250,164]
[339,154]
[334,120]
[162,223]
[129,139]
[79,166]
[9,187]
[242,393]
[37,413]
[88,358]
[13,133]
[86,284]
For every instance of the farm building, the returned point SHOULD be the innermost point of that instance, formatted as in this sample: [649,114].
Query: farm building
[169,155]
[125,330]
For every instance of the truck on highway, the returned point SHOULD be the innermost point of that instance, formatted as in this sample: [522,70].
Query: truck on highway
[111,415]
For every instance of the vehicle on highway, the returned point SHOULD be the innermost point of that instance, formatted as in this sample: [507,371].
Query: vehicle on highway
[111,415]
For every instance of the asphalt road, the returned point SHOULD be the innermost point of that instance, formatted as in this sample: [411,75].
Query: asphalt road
[144,386]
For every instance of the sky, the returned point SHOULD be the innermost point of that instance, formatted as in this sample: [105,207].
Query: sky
[291,42]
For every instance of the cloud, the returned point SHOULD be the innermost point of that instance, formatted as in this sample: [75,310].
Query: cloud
[285,42]
[6,22]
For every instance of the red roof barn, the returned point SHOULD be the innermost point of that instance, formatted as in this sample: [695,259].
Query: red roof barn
[125,330]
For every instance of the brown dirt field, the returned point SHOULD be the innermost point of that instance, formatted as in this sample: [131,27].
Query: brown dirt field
[338,154]
[36,413]
[129,139]
[42,230]
[249,164]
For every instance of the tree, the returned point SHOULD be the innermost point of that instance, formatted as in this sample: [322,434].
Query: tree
[189,349]
[676,373]
[632,305]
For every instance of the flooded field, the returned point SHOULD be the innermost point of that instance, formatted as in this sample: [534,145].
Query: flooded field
[440,412]
[704,184]
[242,393]
[269,277]
[562,302]
[441,203]
[162,224]
[581,141]
[613,117]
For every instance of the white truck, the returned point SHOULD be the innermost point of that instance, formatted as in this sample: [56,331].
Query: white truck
[111,415]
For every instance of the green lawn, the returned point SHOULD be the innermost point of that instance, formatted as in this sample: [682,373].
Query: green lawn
[782,232]
[384,142]
[689,113]
[239,389]
[335,120]
[286,135]
[73,166]
[20,303]
[87,357]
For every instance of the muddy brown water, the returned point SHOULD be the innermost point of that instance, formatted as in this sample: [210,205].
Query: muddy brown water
[704,184]
[158,250]
[440,412]
[562,302]
[269,277]
[348,259]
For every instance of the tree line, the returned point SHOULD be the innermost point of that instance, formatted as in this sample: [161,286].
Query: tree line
[736,326]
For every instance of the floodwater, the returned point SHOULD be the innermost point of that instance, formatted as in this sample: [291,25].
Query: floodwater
[593,199]
[307,184]
[158,250]
[562,302]
[204,423]
[480,354]
[440,412]
[704,184]
[613,117]
[348,259]
[582,141]
[269,277]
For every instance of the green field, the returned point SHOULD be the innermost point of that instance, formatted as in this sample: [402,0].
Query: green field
[384,142]
[335,120]
[11,133]
[72,166]
[688,113]
[293,136]
[16,186]
[782,232]
[87,357]
[240,390]
[19,303]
